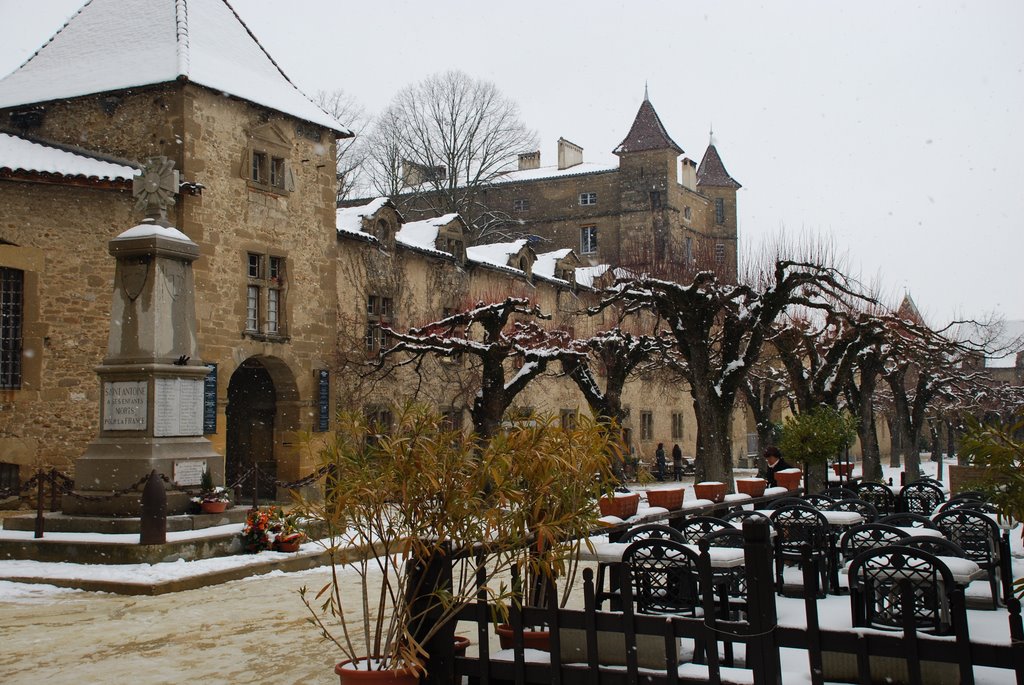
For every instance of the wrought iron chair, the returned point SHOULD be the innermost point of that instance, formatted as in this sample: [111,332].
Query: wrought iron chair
[972,504]
[737,586]
[868,536]
[786,502]
[908,520]
[920,497]
[897,587]
[865,509]
[879,495]
[744,514]
[978,536]
[940,547]
[838,492]
[695,529]
[818,501]
[664,577]
[796,526]
[651,531]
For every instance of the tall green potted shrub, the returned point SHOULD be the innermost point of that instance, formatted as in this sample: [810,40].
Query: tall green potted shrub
[402,509]
[815,437]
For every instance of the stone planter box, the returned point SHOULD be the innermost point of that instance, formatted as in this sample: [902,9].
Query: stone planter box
[963,478]
[789,479]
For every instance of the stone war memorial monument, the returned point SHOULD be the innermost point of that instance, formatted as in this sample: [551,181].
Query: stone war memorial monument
[151,406]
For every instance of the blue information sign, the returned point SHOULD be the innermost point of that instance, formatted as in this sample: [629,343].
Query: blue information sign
[323,399]
[210,401]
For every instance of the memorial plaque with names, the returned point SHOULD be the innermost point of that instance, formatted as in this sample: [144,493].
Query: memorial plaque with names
[189,472]
[210,401]
[125,404]
[178,407]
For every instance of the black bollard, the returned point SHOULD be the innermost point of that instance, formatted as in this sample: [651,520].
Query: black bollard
[153,524]
[39,504]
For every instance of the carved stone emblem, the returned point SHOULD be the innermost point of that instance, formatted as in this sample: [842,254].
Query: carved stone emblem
[155,187]
[174,277]
[133,277]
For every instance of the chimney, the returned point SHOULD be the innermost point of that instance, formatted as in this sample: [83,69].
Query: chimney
[689,173]
[569,154]
[529,160]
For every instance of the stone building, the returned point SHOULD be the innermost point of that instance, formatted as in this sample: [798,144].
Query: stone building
[292,295]
[656,207]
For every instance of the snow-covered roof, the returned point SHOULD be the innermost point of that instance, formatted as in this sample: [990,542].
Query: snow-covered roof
[585,275]
[552,172]
[350,219]
[18,154]
[495,254]
[546,262]
[110,45]
[422,235]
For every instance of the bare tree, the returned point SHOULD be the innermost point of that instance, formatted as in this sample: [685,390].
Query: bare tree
[497,336]
[442,140]
[351,153]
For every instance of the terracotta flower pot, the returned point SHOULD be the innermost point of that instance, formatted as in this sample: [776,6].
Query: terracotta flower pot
[667,498]
[461,645]
[349,674]
[751,486]
[213,507]
[789,479]
[712,490]
[288,545]
[532,639]
[843,468]
[619,505]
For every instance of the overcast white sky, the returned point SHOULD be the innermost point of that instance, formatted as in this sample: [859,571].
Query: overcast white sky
[893,127]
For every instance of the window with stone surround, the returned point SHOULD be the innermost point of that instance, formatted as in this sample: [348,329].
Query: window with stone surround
[12,320]
[264,295]
[567,418]
[521,205]
[677,426]
[588,239]
[379,313]
[265,164]
[588,198]
[646,425]
[687,213]
[719,210]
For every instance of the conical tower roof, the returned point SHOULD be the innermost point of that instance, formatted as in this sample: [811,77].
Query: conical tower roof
[647,133]
[711,171]
[110,45]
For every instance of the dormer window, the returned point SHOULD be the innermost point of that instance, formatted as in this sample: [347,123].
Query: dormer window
[266,160]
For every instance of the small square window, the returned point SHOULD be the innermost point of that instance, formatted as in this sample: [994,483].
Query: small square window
[588,239]
[521,205]
[588,198]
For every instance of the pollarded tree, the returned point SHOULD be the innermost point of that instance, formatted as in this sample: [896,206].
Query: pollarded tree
[765,386]
[511,352]
[719,329]
[444,139]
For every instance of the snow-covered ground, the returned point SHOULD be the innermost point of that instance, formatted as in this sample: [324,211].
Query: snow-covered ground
[254,629]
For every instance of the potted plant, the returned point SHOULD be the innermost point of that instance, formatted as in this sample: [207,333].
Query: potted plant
[813,438]
[619,504]
[212,499]
[712,490]
[754,487]
[668,497]
[413,501]
[260,528]
[288,536]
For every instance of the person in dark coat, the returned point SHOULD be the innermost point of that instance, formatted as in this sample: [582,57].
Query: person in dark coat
[659,460]
[775,463]
[677,461]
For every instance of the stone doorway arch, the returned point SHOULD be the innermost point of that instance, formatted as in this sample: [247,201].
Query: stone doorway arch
[260,413]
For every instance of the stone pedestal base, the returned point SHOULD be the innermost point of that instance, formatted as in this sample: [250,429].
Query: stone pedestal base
[126,505]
